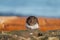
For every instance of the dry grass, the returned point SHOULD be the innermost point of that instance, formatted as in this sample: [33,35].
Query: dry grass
[24,35]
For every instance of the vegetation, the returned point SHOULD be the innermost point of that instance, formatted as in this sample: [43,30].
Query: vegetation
[24,35]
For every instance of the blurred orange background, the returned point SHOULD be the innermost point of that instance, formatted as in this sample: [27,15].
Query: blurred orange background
[10,23]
